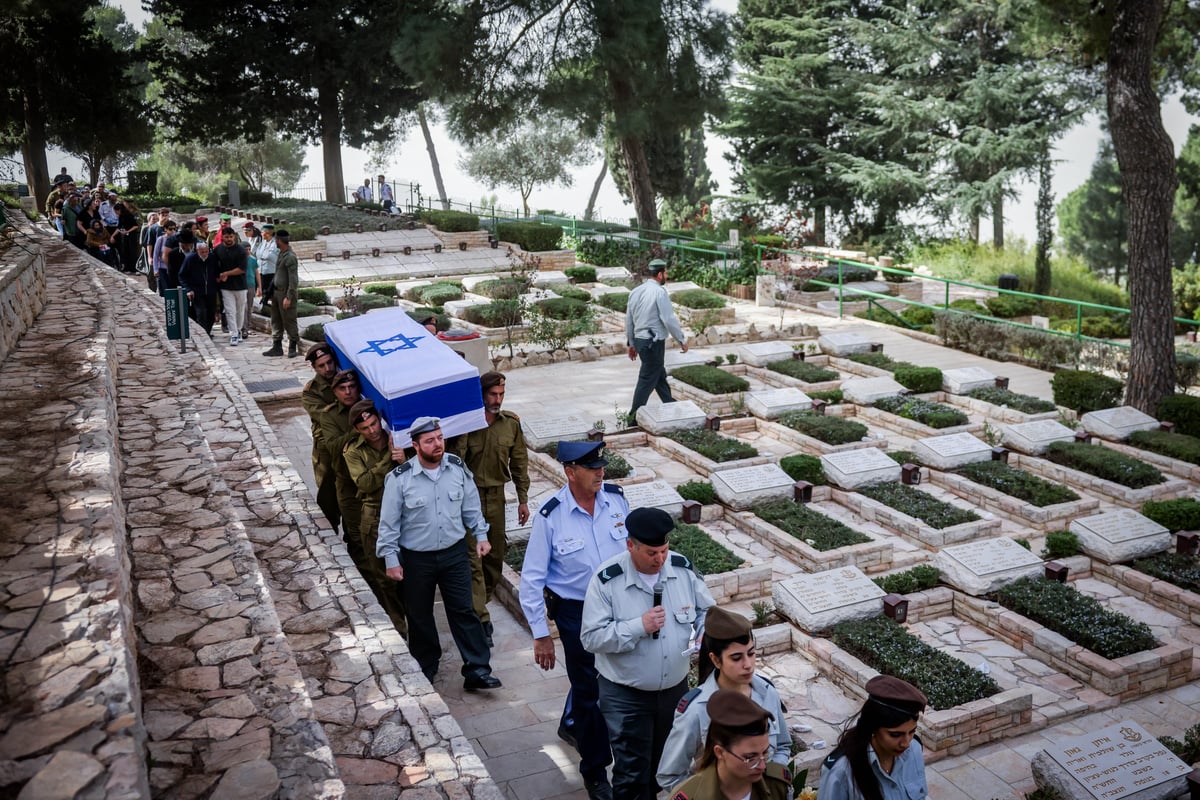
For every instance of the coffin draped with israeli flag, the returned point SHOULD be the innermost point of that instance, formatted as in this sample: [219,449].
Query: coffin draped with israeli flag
[408,373]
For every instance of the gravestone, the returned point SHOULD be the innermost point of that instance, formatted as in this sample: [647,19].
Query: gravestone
[654,494]
[759,354]
[865,391]
[599,290]
[862,287]
[851,469]
[984,566]
[1116,424]
[666,417]
[513,530]
[612,274]
[741,487]
[1119,762]
[1040,322]
[952,451]
[844,344]
[772,403]
[681,286]
[549,277]
[764,290]
[470,282]
[541,431]
[538,295]
[1121,535]
[678,358]
[457,308]
[1033,438]
[966,379]
[818,601]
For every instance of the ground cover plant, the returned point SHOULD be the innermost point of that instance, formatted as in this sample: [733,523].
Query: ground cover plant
[903,457]
[887,647]
[384,289]
[614,301]
[1183,410]
[830,430]
[1084,391]
[1017,483]
[563,308]
[1025,403]
[1105,463]
[502,288]
[496,314]
[581,274]
[831,396]
[700,491]
[1178,569]
[803,371]
[306,309]
[918,504]
[1060,544]
[515,556]
[313,294]
[712,445]
[1174,515]
[707,556]
[450,221]
[698,298]
[1168,443]
[311,214]
[926,412]
[811,527]
[849,274]
[436,294]
[801,467]
[572,292]
[617,467]
[710,379]
[1082,619]
[877,360]
[914,579]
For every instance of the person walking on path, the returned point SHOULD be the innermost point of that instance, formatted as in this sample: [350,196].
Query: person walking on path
[283,305]
[267,253]
[316,395]
[232,279]
[649,319]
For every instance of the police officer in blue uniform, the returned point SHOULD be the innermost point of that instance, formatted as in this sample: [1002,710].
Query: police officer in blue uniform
[574,532]
[639,616]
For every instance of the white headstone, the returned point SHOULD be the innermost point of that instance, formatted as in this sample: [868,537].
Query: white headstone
[678,358]
[966,379]
[538,295]
[1116,424]
[1035,437]
[764,290]
[861,287]
[681,286]
[866,391]
[984,566]
[654,494]
[514,531]
[851,469]
[469,282]
[456,308]
[843,344]
[1119,762]
[1040,322]
[612,274]
[1121,535]
[549,277]
[759,354]
[952,451]
[670,417]
[772,403]
[818,601]
[541,431]
[599,290]
[742,487]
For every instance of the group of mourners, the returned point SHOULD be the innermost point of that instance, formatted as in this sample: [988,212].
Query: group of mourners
[96,220]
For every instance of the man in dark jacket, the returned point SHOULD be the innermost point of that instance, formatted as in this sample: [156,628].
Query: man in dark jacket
[198,277]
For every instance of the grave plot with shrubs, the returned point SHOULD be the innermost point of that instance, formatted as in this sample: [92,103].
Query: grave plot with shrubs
[820,433]
[1003,405]
[917,418]
[1175,453]
[712,445]
[1015,493]
[1100,471]
[716,390]
[812,539]
[1103,462]
[806,372]
[916,514]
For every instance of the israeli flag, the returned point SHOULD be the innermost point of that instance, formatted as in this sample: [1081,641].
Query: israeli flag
[408,373]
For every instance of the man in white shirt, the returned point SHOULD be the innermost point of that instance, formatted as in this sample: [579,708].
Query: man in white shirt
[649,319]
[386,197]
[364,193]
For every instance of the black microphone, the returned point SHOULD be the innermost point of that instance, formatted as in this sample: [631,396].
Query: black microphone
[657,601]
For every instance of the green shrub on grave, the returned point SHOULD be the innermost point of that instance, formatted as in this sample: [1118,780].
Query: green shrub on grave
[1083,391]
[1104,463]
[533,237]
[496,314]
[914,579]
[614,301]
[384,289]
[581,274]
[712,445]
[1183,410]
[314,333]
[809,526]
[802,467]
[707,557]
[903,457]
[450,221]
[571,292]
[1082,619]
[617,467]
[441,320]
[514,556]
[1168,443]
[967,304]
[369,302]
[830,396]
[889,648]
[1007,306]
[502,288]
[1025,403]
[803,371]
[849,274]
[918,504]
[710,379]
[436,294]
[313,295]
[1174,515]
[1175,568]
[700,491]
[1188,751]
[563,308]
[1017,483]
[926,412]
[1060,544]
[698,299]
[830,430]
[307,309]
[921,380]
[918,315]
[875,359]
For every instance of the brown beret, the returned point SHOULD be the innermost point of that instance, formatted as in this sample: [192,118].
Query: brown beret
[344,376]
[899,695]
[732,709]
[725,625]
[316,351]
[361,410]
[650,526]
[489,379]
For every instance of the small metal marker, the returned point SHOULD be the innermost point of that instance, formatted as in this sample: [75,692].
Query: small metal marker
[895,607]
[691,512]
[802,492]
[1056,571]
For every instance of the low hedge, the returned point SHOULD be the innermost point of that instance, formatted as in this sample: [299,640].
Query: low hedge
[384,289]
[1025,403]
[1181,570]
[1083,391]
[514,556]
[802,467]
[710,379]
[1082,619]
[831,396]
[916,503]
[501,288]
[573,292]
[878,360]
[1097,327]
[614,301]
[700,491]
[830,430]
[1017,483]
[935,415]
[698,298]
[707,557]
[889,648]
[803,371]
[1168,443]
[496,314]
[1183,410]
[917,315]
[811,527]
[1061,544]
[436,294]
[1174,515]
[563,308]
[450,221]
[921,380]
[581,274]
[1104,463]
[311,294]
[914,579]
[903,457]
[712,445]
[178,203]
[1007,306]
[368,301]
[967,304]
[531,236]
[617,466]
[849,274]
[314,332]
[307,309]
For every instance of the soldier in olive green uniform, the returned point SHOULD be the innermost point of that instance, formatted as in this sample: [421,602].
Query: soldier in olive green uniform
[496,455]
[370,456]
[317,394]
[336,432]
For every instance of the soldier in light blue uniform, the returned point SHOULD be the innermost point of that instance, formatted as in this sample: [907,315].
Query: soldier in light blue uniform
[639,616]
[574,532]
[429,504]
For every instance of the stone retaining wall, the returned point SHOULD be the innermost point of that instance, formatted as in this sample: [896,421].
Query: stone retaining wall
[22,289]
[873,556]
[1159,593]
[1169,489]
[912,528]
[1046,518]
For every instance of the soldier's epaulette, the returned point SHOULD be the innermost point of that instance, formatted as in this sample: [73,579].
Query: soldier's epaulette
[612,487]
[679,796]
[549,506]
[831,759]
[453,459]
[779,772]
[507,413]
[680,560]
[686,700]
[403,468]
[610,572]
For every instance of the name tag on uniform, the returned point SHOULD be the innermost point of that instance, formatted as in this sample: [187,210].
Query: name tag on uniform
[568,546]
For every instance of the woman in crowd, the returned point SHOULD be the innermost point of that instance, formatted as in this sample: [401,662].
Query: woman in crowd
[126,239]
[99,243]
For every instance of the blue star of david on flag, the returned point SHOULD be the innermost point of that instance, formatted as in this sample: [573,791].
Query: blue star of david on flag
[402,342]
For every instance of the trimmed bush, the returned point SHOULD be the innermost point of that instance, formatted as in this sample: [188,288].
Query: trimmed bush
[1104,463]
[441,319]
[919,379]
[802,467]
[301,233]
[967,304]
[314,332]
[830,430]
[918,504]
[496,314]
[850,274]
[450,221]
[1180,570]
[1096,327]
[614,301]
[1017,483]
[617,466]
[1025,403]
[531,236]
[935,415]
[712,445]
[707,557]
[1183,410]
[313,295]
[803,371]
[889,648]
[698,298]
[811,527]
[581,274]
[1170,444]
[1174,515]
[1083,391]
[1082,619]
[700,491]
[710,379]
[437,294]
[306,309]
[501,288]
[384,289]
[831,396]
[1060,544]
[370,302]
[563,308]
[1007,306]
[917,315]
[914,579]
[572,292]
[878,360]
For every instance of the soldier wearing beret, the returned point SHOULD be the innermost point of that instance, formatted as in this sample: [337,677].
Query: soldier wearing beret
[336,433]
[727,662]
[317,394]
[640,614]
[430,504]
[736,761]
[574,532]
[879,756]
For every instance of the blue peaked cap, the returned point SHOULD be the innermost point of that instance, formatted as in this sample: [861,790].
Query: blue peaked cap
[583,454]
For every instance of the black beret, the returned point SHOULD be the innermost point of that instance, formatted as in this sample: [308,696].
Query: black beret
[732,709]
[899,695]
[650,526]
[725,625]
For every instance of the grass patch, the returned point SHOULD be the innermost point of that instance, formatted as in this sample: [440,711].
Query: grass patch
[707,557]
[830,430]
[1104,463]
[803,371]
[710,379]
[1017,483]
[811,527]
[1168,443]
[918,504]
[712,445]
[1181,570]
[614,301]
[926,412]
[1025,403]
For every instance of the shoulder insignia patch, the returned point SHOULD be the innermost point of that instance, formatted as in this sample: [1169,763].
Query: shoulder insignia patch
[510,415]
[830,760]
[549,506]
[679,796]
[612,487]
[453,459]
[610,572]
[686,700]
[403,468]
[680,560]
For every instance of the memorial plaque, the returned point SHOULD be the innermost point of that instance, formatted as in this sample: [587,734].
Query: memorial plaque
[821,600]
[541,431]
[865,391]
[549,277]
[759,354]
[966,379]
[612,274]
[984,566]
[654,494]
[1117,424]
[599,290]
[843,344]
[675,416]
[513,530]
[952,451]
[457,308]
[1121,535]
[1033,438]
[851,469]
[742,487]
[1113,762]
[772,403]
